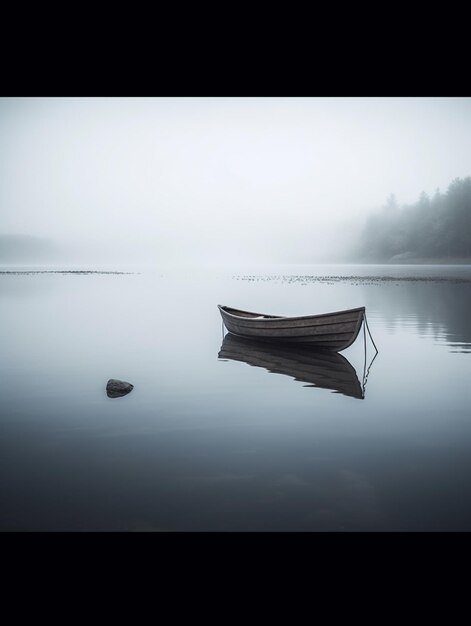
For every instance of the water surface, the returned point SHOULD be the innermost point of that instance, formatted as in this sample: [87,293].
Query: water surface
[208,443]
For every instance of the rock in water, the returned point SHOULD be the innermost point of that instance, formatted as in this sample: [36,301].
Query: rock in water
[117,388]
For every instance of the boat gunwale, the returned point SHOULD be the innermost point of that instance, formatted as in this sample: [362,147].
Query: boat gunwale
[262,317]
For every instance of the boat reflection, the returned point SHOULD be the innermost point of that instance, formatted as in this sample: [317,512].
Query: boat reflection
[327,370]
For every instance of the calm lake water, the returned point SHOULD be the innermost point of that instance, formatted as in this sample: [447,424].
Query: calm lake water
[208,443]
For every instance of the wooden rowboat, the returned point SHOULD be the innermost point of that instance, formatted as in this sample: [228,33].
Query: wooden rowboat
[329,331]
[317,368]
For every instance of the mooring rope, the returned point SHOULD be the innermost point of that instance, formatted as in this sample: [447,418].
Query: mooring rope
[368,329]
[364,360]
[367,371]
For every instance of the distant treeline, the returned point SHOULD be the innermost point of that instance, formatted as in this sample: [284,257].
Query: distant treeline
[437,228]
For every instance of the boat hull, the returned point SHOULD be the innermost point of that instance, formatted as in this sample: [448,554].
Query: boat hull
[329,331]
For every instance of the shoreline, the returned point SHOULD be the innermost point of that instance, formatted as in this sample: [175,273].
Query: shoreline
[417,261]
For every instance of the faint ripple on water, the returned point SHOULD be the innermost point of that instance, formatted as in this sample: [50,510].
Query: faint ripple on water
[353,280]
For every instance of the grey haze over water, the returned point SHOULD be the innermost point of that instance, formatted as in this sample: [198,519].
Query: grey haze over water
[218,180]
[168,207]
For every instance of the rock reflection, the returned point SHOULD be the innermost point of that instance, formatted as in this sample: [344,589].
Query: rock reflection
[326,370]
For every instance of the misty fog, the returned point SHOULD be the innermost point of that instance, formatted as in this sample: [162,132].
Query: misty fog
[215,180]
[125,221]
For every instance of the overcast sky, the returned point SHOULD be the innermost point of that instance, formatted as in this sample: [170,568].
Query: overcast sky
[212,178]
